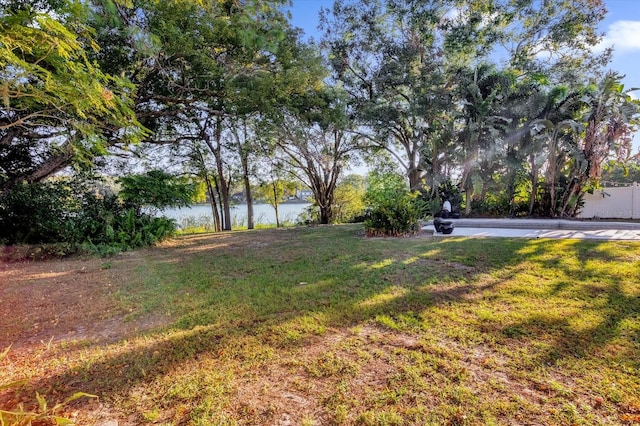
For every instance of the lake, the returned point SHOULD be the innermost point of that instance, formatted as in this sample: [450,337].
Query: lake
[263,214]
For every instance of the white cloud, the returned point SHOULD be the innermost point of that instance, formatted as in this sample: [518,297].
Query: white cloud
[624,36]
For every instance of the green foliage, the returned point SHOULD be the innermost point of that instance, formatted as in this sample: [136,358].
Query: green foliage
[126,229]
[275,191]
[445,190]
[156,189]
[49,83]
[310,215]
[348,200]
[44,414]
[616,173]
[70,212]
[493,205]
[392,208]
[38,213]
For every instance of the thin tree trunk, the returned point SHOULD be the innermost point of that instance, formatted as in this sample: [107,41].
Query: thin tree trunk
[575,189]
[468,196]
[224,196]
[276,204]
[50,166]
[552,174]
[534,183]
[210,191]
[247,191]
[218,197]
[213,204]
[467,185]
[243,151]
[223,185]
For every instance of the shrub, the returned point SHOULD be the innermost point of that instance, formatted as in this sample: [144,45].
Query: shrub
[70,211]
[348,203]
[392,209]
[156,189]
[38,213]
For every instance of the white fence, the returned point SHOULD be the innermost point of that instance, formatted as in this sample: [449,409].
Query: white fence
[613,203]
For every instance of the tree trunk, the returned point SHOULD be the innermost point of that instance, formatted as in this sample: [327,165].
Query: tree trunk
[511,180]
[276,204]
[223,185]
[210,191]
[224,196]
[212,203]
[468,196]
[50,166]
[247,191]
[326,214]
[415,177]
[243,151]
[511,189]
[534,183]
[576,186]
[551,174]
[466,183]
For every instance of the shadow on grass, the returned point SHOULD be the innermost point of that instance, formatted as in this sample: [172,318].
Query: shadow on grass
[572,336]
[257,284]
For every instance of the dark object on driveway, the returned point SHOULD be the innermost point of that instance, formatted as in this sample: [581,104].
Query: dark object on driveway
[444,226]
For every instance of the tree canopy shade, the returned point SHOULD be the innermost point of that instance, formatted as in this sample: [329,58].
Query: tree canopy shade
[59,107]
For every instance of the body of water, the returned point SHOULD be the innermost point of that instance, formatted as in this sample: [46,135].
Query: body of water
[263,214]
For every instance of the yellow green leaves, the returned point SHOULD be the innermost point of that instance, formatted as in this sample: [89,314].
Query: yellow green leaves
[48,76]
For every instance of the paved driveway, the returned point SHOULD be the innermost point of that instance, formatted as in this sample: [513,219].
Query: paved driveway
[542,228]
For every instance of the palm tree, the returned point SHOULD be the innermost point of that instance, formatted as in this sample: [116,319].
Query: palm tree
[482,90]
[608,120]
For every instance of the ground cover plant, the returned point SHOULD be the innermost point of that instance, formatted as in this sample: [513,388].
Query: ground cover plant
[322,325]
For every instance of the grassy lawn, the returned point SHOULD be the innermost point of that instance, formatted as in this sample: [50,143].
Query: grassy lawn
[317,326]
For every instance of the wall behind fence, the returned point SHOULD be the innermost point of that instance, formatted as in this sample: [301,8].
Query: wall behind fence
[613,203]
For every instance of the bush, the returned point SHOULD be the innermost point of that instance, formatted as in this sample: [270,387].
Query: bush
[348,202]
[392,209]
[38,213]
[71,212]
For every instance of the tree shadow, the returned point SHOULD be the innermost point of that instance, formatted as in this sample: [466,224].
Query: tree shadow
[564,341]
[344,284]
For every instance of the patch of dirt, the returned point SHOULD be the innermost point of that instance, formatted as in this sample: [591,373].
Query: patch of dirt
[288,392]
[55,300]
[51,301]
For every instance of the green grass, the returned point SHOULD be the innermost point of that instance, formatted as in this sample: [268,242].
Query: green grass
[324,326]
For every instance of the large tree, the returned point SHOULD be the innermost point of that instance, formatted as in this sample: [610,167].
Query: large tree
[312,136]
[608,118]
[554,38]
[387,57]
[482,91]
[205,70]
[59,107]
[400,61]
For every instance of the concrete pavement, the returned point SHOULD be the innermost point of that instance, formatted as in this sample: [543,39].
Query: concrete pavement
[541,228]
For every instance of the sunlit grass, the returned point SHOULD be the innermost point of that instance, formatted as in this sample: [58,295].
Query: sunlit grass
[322,326]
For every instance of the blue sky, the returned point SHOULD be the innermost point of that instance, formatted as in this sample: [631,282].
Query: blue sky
[621,25]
